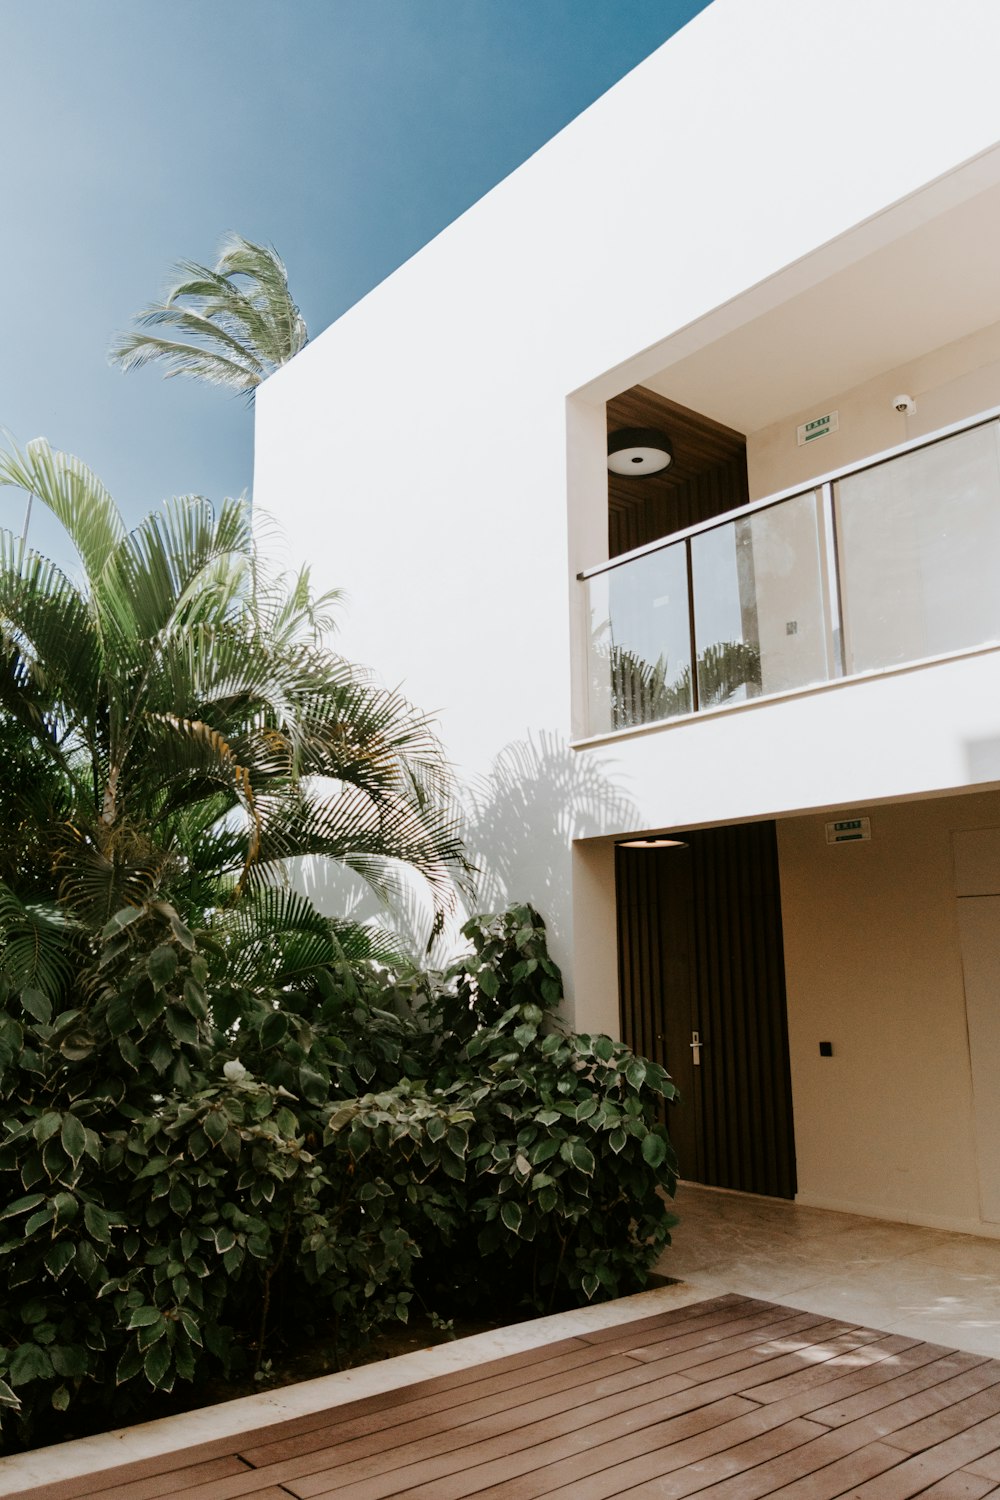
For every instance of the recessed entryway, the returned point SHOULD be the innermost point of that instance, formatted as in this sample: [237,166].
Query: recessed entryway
[702,988]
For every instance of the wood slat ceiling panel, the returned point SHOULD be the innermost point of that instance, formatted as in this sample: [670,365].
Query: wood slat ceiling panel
[706,478]
[699,444]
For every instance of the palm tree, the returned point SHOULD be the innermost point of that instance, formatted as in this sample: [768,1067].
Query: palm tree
[232,325]
[175,729]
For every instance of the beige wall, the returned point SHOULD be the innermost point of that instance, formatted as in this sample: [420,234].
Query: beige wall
[873,965]
[948,384]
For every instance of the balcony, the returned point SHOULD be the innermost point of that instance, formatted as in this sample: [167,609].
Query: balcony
[892,562]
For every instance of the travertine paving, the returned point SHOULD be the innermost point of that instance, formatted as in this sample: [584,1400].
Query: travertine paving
[929,1283]
[729,1397]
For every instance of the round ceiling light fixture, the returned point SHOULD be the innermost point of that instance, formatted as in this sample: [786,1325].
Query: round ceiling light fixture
[639,451]
[653,843]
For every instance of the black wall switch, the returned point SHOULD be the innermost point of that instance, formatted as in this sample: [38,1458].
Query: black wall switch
[826,1049]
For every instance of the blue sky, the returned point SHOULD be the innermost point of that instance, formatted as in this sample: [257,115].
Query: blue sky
[345,132]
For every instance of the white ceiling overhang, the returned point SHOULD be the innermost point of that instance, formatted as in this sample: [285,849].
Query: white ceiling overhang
[923,289]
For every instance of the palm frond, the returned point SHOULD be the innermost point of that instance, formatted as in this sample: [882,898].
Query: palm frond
[183,563]
[36,944]
[373,839]
[96,882]
[133,350]
[214,336]
[277,937]
[189,735]
[186,751]
[235,323]
[74,495]
[47,639]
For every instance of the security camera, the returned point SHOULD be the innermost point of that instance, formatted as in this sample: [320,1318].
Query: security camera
[904,404]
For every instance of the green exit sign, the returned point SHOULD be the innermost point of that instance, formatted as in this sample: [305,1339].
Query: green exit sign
[848,830]
[818,427]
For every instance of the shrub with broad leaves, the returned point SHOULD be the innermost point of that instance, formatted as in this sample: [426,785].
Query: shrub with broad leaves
[190,1169]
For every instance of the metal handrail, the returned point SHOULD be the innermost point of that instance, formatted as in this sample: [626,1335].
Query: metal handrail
[714,522]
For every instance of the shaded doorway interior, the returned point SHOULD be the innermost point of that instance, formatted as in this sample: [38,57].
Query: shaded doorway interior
[702,991]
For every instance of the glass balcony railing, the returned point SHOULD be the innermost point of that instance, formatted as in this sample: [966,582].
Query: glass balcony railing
[893,561]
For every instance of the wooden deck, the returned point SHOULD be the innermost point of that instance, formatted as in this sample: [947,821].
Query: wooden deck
[733,1398]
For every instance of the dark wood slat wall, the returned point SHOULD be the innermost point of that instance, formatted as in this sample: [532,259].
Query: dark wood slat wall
[668,509]
[734,1128]
[655,942]
[706,478]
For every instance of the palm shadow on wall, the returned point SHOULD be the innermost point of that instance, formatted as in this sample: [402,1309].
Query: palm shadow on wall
[520,820]
[523,816]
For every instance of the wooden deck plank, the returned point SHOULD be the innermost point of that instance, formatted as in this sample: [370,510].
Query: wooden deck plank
[511,1365]
[730,1398]
[562,1413]
[130,1481]
[916,1370]
[742,1334]
[614,1451]
[360,1482]
[508,1410]
[599,1445]
[592,1450]
[797,1471]
[727,1302]
[916,1474]
[959,1486]
[376,1454]
[501,1462]
[101,1480]
[371,1415]
[772,1358]
[826,1482]
[175,1481]
[988,1466]
[951,1413]
[682,1468]
[857,1354]
[760,1419]
[338,1429]
[381,1445]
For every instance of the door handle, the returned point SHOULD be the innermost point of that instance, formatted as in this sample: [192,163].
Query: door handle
[696,1046]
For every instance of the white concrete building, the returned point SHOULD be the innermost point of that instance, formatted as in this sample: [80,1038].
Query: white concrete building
[789,214]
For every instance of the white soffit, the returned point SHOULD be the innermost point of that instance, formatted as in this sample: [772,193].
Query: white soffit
[926,289]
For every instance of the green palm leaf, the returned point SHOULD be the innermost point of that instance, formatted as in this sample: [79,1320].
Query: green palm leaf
[37,940]
[74,495]
[232,325]
[190,735]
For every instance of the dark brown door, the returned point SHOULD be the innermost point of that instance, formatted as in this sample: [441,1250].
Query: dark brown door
[700,958]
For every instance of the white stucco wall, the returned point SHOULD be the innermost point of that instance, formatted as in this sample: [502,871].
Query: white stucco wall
[416,452]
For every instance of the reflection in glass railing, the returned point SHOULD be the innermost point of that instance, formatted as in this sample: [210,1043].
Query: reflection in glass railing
[894,562]
[759,580]
[642,691]
[640,641]
[634,691]
[919,541]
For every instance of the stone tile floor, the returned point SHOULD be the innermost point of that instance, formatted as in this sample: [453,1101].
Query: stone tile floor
[928,1283]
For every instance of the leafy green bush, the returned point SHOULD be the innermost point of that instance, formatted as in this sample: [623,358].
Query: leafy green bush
[190,1165]
[532,1159]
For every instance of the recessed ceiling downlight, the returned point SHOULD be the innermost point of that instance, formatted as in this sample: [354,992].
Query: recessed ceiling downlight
[638,451]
